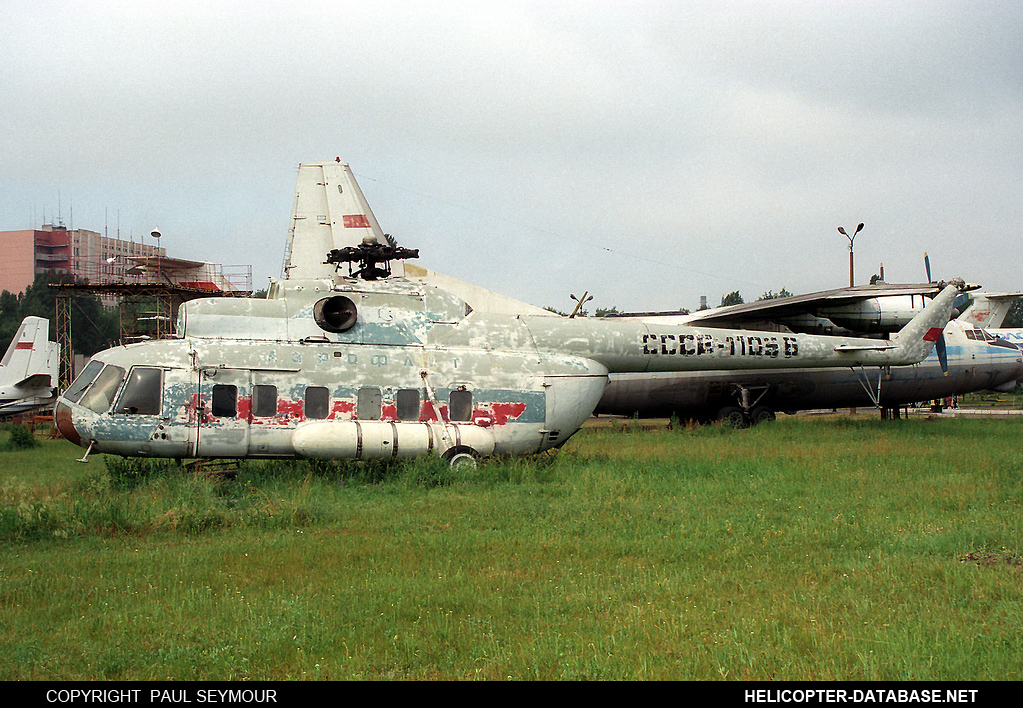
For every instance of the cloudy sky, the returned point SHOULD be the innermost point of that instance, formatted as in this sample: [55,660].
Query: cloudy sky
[647,152]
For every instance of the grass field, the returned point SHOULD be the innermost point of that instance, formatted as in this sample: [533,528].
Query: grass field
[823,548]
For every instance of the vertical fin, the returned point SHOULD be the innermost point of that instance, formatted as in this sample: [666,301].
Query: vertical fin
[988,310]
[329,211]
[30,353]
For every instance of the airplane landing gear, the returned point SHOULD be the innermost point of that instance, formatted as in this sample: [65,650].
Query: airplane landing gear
[761,414]
[749,410]
[733,417]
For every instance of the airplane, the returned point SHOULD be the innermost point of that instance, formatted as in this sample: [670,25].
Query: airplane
[968,358]
[975,361]
[28,371]
[358,355]
[988,310]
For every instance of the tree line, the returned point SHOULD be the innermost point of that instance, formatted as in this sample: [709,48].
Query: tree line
[93,327]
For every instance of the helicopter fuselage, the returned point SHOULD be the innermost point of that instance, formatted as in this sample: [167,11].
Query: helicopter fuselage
[400,375]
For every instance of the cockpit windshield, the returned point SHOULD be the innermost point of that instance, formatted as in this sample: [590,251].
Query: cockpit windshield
[980,335]
[101,394]
[78,386]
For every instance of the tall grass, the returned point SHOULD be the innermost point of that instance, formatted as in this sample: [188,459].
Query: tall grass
[814,549]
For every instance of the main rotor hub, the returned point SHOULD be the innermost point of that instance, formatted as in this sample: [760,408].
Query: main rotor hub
[373,258]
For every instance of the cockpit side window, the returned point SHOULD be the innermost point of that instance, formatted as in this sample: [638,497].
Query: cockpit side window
[78,386]
[101,394]
[142,392]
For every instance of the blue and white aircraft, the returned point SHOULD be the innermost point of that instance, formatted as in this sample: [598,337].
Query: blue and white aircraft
[28,372]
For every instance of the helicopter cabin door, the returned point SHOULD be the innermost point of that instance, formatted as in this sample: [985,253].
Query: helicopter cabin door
[222,413]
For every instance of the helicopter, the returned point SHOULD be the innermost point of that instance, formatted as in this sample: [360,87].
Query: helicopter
[357,354]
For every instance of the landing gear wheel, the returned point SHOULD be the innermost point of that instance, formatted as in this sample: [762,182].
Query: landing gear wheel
[461,457]
[761,414]
[734,417]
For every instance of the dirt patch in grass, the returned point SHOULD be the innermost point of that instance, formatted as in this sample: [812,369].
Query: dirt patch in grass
[993,558]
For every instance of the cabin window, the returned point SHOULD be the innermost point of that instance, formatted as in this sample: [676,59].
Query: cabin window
[317,402]
[264,401]
[101,394]
[408,404]
[368,407]
[460,405]
[142,392]
[224,403]
[88,375]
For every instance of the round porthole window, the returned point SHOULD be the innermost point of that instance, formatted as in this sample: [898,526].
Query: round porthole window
[335,314]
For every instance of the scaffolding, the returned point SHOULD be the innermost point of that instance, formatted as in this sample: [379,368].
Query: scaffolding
[145,311]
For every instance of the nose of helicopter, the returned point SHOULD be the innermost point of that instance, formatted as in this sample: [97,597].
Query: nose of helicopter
[65,425]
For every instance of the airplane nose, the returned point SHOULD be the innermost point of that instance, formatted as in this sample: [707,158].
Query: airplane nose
[65,426]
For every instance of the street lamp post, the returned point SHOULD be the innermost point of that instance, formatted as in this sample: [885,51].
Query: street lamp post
[156,234]
[842,231]
[579,302]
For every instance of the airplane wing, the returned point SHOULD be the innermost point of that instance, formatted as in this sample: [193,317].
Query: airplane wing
[855,311]
[809,303]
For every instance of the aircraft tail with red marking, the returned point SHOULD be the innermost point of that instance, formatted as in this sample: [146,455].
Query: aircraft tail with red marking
[29,369]
[329,212]
[988,310]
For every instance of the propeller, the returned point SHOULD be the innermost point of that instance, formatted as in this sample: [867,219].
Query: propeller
[939,345]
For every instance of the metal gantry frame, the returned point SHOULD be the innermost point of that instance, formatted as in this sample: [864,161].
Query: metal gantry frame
[160,304]
[63,324]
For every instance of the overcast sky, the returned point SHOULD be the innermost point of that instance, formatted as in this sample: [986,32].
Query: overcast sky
[647,152]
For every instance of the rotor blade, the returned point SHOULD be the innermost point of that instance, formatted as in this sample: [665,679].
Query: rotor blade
[927,267]
[939,347]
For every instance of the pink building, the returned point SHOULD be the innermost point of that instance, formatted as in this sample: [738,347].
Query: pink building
[84,254]
[101,260]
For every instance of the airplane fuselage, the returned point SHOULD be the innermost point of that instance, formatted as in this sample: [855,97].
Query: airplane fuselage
[18,400]
[974,363]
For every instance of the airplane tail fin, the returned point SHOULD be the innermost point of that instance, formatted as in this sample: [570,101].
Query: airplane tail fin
[329,212]
[988,310]
[30,353]
[927,330]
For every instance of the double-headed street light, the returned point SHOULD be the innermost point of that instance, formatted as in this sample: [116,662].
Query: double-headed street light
[842,231]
